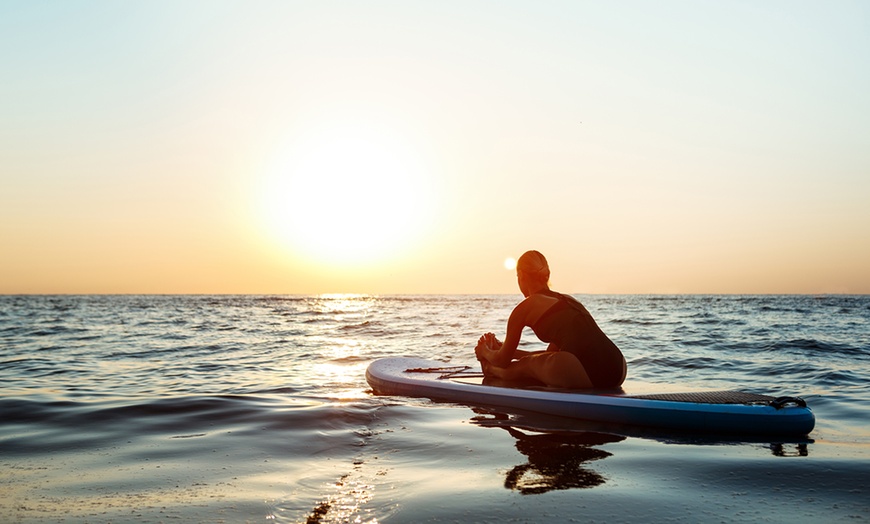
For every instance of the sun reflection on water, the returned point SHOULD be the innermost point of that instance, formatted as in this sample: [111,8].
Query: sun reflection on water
[344,303]
[343,379]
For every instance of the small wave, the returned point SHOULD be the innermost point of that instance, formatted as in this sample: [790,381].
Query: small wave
[351,359]
[780,309]
[839,378]
[25,363]
[54,331]
[813,346]
[144,354]
[368,327]
[150,416]
[279,299]
[19,411]
[680,363]
[285,390]
[69,426]
[362,325]
[797,372]
[642,322]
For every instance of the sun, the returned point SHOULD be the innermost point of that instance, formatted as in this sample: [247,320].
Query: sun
[346,195]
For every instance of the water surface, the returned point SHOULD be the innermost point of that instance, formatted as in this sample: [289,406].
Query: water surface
[253,408]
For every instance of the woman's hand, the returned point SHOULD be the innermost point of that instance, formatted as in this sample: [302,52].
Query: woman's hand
[492,342]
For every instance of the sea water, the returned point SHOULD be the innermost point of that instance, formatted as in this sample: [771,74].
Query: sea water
[256,408]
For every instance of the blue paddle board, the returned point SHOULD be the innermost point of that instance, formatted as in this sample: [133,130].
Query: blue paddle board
[696,411]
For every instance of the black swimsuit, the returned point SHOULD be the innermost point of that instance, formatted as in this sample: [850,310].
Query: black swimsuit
[568,325]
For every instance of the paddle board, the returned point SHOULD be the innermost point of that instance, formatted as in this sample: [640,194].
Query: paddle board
[704,411]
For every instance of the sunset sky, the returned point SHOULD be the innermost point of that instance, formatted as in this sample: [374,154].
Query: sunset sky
[411,147]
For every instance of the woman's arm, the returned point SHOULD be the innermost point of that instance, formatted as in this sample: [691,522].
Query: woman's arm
[501,354]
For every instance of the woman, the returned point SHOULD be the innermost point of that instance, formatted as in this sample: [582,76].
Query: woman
[579,354]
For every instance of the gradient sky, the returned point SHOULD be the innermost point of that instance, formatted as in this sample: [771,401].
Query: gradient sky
[410,147]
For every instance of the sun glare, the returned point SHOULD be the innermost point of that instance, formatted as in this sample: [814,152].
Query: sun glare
[346,195]
[510,263]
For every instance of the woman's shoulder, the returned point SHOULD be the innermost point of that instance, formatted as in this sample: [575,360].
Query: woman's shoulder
[544,297]
[534,306]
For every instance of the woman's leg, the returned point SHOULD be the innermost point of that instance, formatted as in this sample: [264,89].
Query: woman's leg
[556,369]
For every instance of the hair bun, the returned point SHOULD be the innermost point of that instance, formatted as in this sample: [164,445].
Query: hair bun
[533,262]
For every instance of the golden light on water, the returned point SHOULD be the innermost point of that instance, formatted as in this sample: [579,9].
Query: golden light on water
[341,372]
[342,379]
[350,303]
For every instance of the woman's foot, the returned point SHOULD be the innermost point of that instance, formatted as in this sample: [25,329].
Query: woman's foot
[486,367]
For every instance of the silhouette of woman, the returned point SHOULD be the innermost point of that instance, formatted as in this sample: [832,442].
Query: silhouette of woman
[579,354]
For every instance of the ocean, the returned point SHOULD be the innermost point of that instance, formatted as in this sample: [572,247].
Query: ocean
[256,408]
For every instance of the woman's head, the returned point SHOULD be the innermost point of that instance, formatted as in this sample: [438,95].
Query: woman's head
[532,268]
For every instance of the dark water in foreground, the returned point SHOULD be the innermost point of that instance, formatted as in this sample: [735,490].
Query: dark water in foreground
[250,408]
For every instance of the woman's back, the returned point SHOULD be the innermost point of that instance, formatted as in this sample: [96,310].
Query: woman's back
[568,325]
